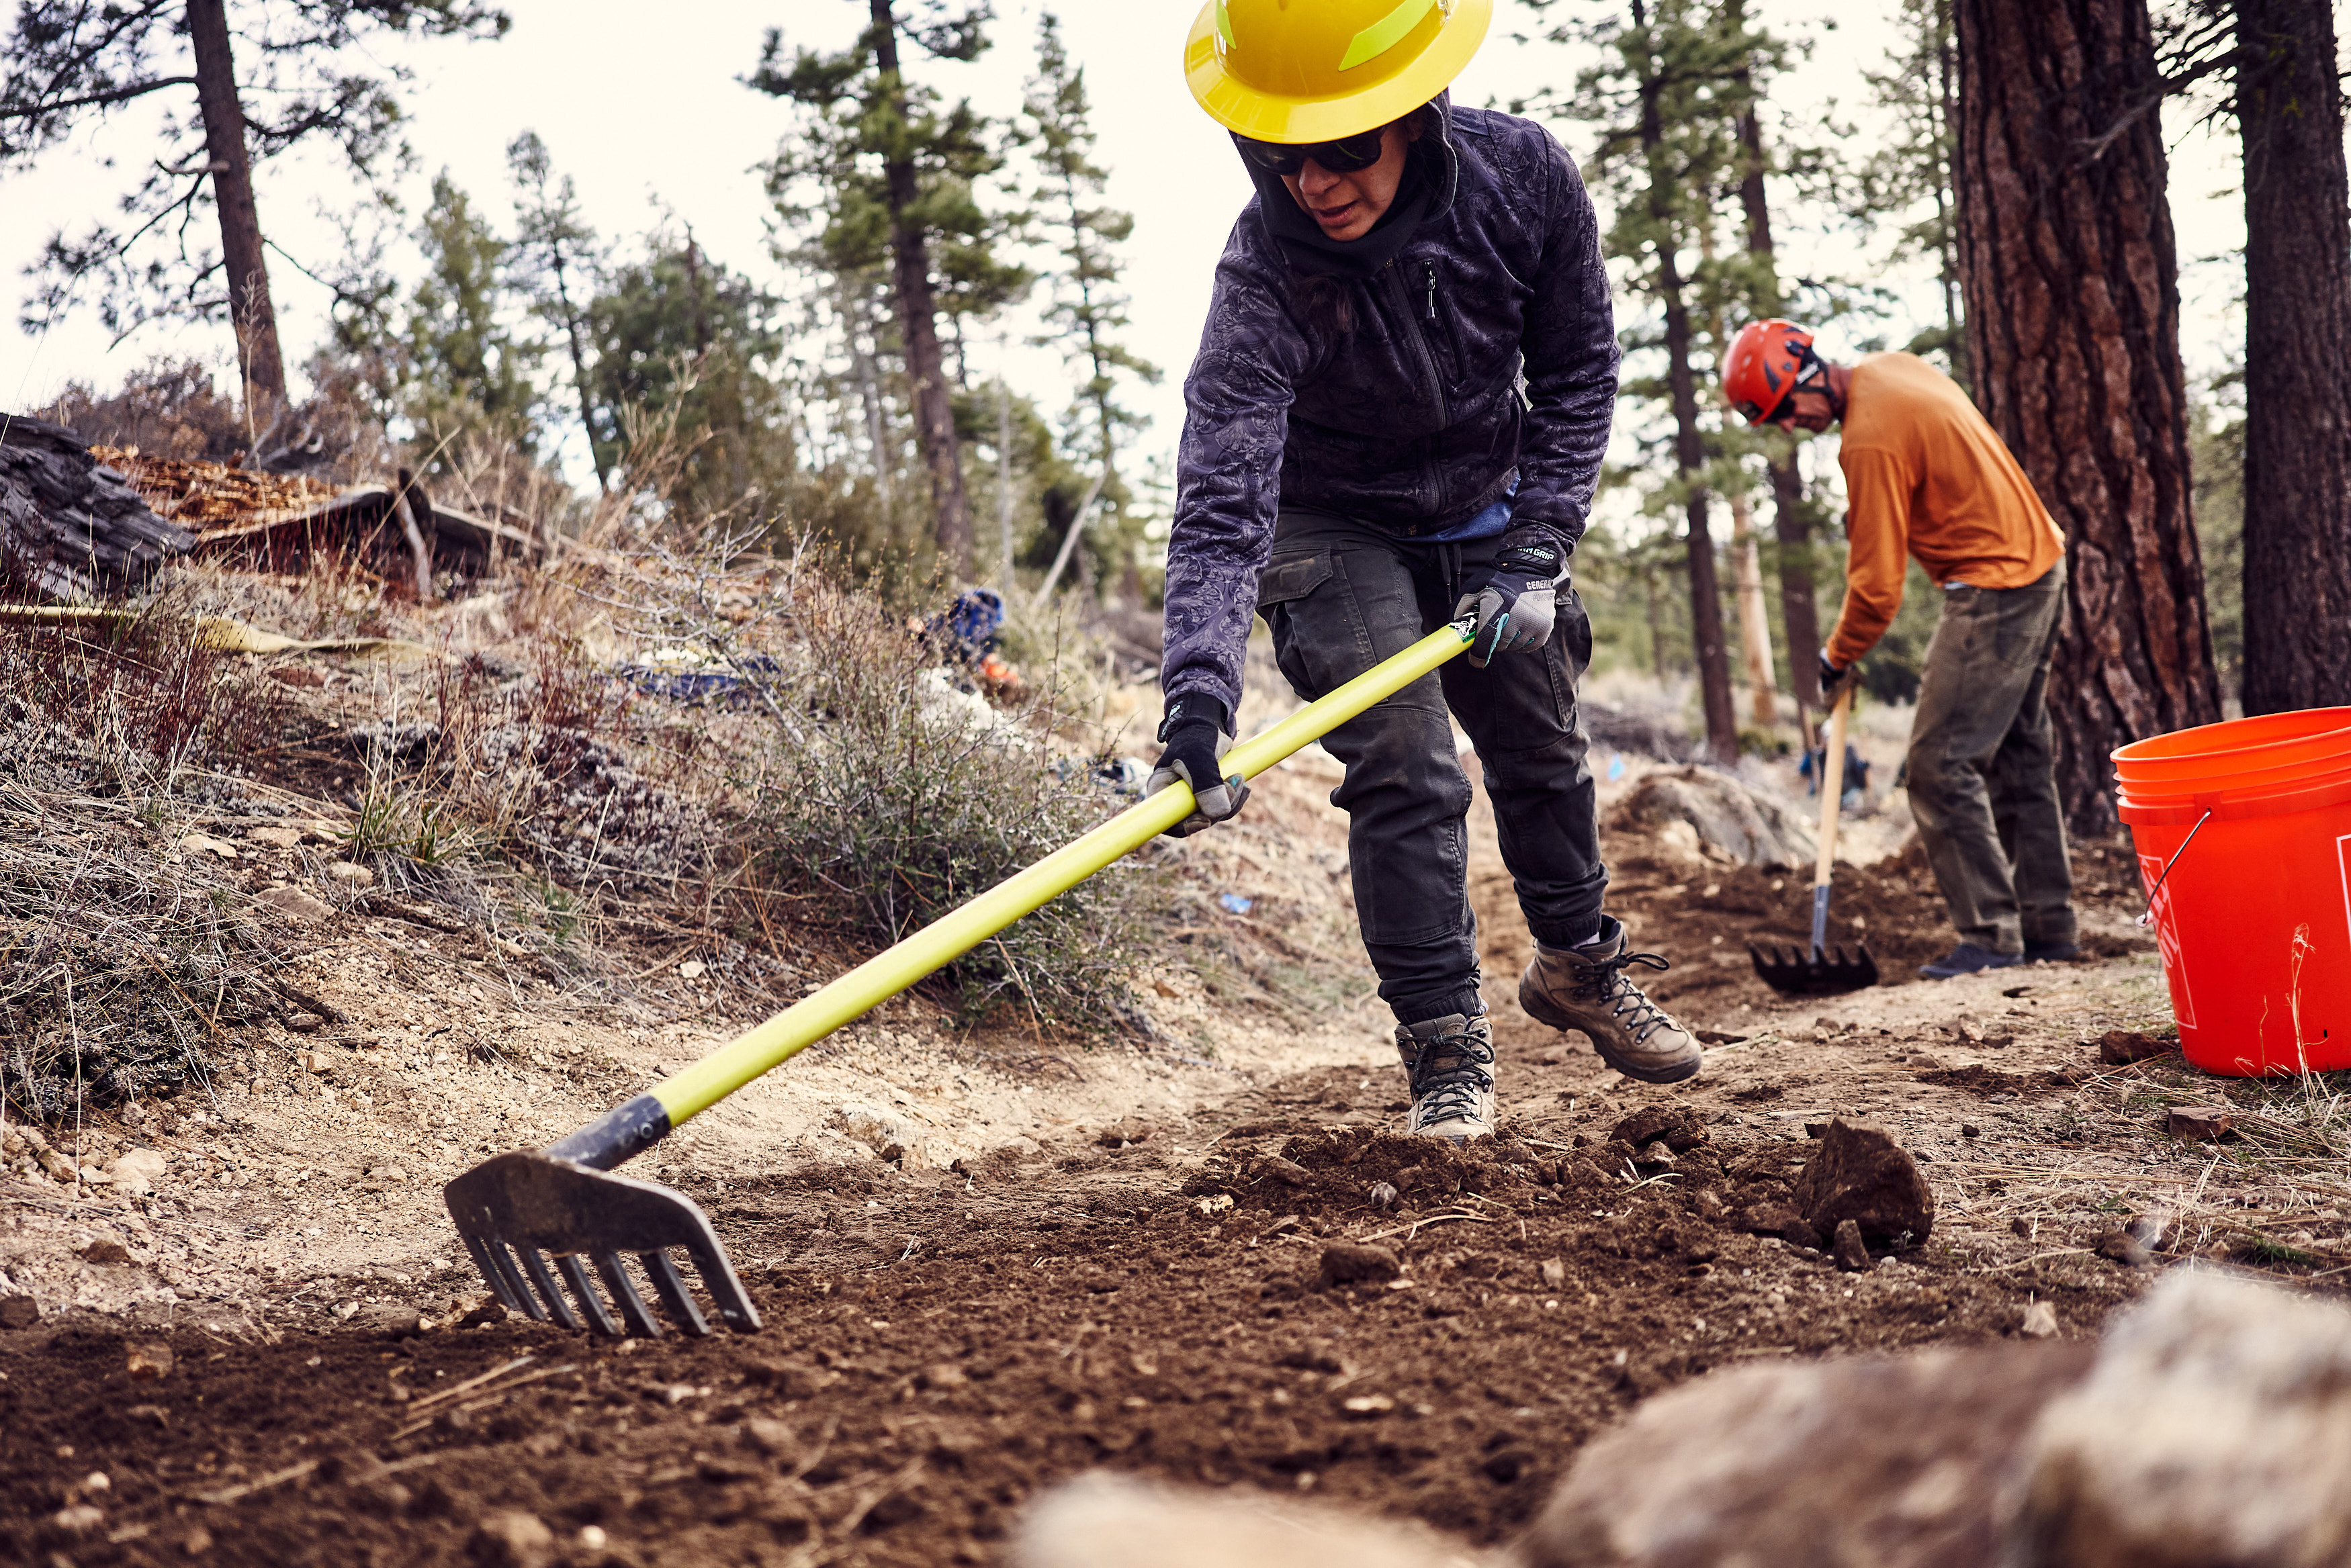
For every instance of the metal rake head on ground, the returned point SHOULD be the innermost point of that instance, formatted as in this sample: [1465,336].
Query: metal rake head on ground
[1812,972]
[521,1212]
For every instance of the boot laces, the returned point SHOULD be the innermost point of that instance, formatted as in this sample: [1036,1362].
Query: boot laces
[1449,1074]
[1605,981]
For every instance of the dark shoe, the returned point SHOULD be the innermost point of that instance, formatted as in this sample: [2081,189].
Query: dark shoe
[1449,1062]
[1585,989]
[2051,952]
[1969,959]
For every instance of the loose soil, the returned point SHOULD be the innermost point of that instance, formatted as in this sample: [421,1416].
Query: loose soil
[1107,1258]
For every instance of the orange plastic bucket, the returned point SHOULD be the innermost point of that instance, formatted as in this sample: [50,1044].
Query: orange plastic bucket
[2253,819]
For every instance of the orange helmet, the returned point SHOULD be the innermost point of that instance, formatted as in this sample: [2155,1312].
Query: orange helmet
[1766,362]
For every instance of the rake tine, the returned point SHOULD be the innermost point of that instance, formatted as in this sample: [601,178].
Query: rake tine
[591,1305]
[521,1293]
[491,1273]
[548,1288]
[726,1290]
[672,1290]
[625,1297]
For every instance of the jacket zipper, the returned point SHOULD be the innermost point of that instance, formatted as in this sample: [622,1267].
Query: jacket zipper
[1432,480]
[1419,340]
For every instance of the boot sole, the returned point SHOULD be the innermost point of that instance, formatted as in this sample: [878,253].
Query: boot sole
[1538,1007]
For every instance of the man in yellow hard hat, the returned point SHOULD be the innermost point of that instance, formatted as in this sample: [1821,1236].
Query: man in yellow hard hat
[1395,419]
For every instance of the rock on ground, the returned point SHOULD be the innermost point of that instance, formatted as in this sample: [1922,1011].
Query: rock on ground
[1734,821]
[1870,1460]
[2214,1430]
[1108,1522]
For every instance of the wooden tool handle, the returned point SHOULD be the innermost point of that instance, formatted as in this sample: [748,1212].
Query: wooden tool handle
[1832,786]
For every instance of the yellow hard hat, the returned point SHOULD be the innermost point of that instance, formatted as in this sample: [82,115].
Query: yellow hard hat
[1314,70]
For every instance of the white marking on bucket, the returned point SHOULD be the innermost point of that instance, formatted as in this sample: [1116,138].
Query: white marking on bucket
[2167,938]
[2343,864]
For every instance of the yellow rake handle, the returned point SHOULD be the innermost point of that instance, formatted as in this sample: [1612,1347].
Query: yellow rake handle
[694,1089]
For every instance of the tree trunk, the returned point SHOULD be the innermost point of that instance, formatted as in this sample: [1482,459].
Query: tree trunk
[2297,561]
[2069,273]
[1792,524]
[250,313]
[910,267]
[1799,616]
[1754,618]
[1690,443]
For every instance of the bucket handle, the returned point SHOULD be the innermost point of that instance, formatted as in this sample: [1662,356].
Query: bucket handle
[2148,919]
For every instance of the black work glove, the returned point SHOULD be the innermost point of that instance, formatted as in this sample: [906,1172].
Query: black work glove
[1834,680]
[1196,734]
[1517,603]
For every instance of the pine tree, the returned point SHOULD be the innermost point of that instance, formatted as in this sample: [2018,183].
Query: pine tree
[681,349]
[1908,180]
[2297,429]
[886,173]
[1760,283]
[463,364]
[553,258]
[74,61]
[1666,97]
[2071,282]
[1087,305]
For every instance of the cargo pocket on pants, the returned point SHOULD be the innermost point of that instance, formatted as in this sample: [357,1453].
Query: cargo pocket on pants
[1288,580]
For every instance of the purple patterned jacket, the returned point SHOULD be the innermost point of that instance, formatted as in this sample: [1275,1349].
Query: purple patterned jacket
[1413,420]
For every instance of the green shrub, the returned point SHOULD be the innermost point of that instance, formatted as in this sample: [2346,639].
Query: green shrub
[884,796]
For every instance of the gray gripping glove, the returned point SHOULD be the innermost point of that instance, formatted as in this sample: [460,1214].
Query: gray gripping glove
[1516,604]
[1196,735]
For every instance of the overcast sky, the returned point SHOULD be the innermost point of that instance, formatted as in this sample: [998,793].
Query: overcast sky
[645,111]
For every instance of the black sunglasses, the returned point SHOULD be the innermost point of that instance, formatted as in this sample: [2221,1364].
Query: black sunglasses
[1346,155]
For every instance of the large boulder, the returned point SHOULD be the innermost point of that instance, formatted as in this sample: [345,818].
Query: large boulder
[1871,1461]
[2213,1432]
[69,528]
[1730,821]
[2211,1429]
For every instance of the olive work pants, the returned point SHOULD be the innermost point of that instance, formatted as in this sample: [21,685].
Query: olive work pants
[1981,783]
[1339,597]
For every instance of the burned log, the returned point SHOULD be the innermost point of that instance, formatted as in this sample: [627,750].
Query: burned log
[70,528]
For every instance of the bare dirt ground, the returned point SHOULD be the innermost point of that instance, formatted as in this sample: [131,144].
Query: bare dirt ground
[1078,1257]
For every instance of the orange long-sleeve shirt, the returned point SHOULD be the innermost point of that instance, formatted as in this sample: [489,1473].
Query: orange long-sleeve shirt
[1926,477]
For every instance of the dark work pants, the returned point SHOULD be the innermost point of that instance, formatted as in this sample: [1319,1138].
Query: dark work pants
[1982,786]
[1339,597]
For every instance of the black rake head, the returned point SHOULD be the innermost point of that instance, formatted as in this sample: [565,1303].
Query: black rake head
[514,1208]
[1799,972]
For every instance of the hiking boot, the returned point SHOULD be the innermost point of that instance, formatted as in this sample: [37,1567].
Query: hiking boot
[2051,952]
[1450,1063]
[1586,989]
[1968,959]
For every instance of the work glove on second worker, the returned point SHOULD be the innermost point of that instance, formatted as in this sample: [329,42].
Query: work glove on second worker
[1834,680]
[1196,735]
[1517,603]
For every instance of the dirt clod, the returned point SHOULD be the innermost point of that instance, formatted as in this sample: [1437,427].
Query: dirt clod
[1676,1125]
[512,1538]
[105,1250]
[148,1361]
[2205,1124]
[1859,1173]
[1348,1263]
[1851,1253]
[2120,1246]
[18,1312]
[2121,1047]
